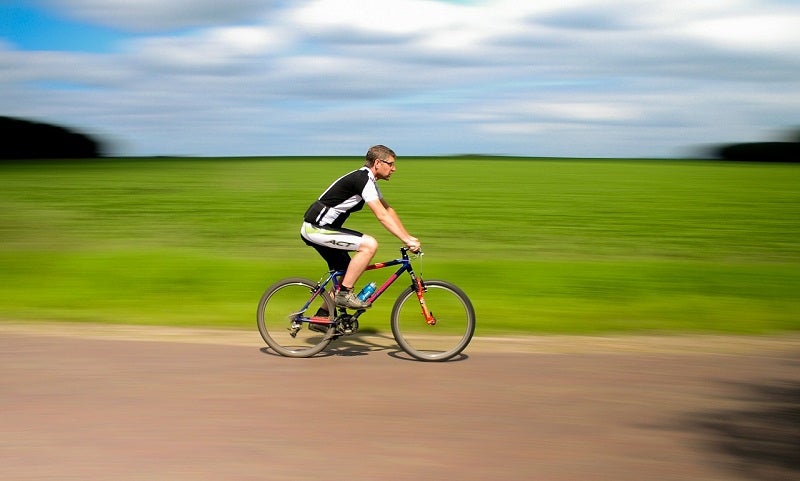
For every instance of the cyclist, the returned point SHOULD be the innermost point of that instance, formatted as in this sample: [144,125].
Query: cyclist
[322,223]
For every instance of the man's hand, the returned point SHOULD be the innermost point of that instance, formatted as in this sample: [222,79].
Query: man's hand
[413,244]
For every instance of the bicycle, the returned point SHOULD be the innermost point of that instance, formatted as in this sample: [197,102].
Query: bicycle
[297,317]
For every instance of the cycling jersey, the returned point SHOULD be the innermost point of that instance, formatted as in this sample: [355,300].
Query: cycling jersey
[322,227]
[347,194]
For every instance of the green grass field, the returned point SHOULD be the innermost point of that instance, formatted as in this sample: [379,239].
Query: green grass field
[540,245]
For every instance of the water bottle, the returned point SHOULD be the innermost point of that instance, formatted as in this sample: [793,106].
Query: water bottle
[366,291]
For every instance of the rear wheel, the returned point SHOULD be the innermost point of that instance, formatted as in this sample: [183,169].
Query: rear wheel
[284,323]
[455,322]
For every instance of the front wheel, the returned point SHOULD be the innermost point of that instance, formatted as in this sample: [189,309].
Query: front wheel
[452,332]
[284,315]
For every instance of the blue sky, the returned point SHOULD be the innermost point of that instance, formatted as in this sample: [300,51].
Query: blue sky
[30,28]
[564,78]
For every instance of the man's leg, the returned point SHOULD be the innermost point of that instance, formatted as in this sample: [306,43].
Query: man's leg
[334,245]
[346,297]
[359,262]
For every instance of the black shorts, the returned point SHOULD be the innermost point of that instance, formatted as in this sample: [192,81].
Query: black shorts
[333,244]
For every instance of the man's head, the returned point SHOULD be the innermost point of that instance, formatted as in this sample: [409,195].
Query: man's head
[380,159]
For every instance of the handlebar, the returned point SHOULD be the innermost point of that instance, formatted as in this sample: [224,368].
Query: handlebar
[405,250]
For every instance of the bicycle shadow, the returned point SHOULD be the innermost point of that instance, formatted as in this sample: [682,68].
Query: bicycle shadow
[358,344]
[365,343]
[362,344]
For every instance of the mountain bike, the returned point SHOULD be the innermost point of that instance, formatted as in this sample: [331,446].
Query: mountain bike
[431,320]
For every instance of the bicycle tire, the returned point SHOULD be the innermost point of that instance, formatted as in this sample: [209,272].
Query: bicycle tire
[454,328]
[277,309]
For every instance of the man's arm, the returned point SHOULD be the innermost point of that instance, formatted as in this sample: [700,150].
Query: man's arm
[391,221]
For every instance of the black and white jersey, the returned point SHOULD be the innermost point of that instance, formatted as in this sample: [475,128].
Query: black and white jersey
[347,194]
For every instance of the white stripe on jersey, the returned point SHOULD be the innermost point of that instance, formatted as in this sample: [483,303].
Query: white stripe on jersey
[368,193]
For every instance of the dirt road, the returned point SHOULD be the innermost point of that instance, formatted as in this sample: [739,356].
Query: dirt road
[102,403]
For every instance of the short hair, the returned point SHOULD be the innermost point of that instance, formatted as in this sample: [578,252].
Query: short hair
[378,152]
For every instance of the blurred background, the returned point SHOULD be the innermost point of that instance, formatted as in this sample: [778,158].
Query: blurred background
[540,245]
[212,127]
[633,79]
[579,167]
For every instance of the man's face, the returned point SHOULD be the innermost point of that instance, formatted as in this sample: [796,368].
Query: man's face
[385,168]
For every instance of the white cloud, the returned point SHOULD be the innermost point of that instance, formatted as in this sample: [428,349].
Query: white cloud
[550,77]
[751,33]
[221,47]
[402,18]
[78,69]
[588,111]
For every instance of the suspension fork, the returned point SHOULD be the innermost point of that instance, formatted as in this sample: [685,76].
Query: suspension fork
[419,289]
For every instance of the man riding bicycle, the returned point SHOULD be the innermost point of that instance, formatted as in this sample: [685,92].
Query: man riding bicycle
[322,223]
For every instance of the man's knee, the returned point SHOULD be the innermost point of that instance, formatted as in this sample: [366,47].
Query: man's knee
[369,244]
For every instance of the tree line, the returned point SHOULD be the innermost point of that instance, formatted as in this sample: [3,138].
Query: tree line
[25,139]
[761,152]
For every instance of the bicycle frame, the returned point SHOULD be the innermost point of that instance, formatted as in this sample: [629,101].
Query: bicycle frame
[334,277]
